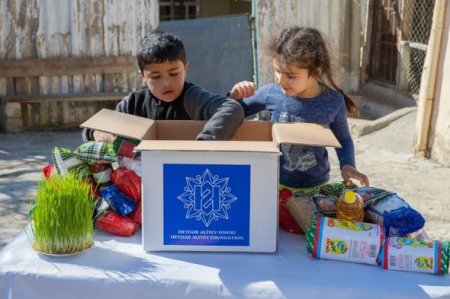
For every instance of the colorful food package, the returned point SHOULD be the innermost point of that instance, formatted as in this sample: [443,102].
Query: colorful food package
[409,254]
[67,162]
[118,201]
[96,152]
[350,241]
[332,189]
[371,194]
[128,182]
[116,224]
[124,147]
[101,173]
[285,218]
[335,189]
[326,204]
[326,196]
[397,217]
[303,210]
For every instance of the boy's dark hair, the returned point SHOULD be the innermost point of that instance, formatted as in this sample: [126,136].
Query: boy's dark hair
[157,47]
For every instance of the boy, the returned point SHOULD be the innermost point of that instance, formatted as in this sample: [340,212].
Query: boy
[162,64]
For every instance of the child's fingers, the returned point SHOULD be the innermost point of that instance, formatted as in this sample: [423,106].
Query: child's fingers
[364,180]
[346,177]
[235,92]
[242,89]
[248,88]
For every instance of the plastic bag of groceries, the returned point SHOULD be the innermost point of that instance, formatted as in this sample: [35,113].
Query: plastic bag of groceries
[395,214]
[116,224]
[128,182]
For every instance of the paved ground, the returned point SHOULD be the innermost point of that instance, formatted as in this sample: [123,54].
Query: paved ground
[22,157]
[384,155]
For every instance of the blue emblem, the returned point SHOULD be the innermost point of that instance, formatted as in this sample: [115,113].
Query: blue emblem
[206,204]
[207,197]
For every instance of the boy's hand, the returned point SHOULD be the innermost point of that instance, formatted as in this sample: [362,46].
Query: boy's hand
[243,89]
[349,172]
[103,136]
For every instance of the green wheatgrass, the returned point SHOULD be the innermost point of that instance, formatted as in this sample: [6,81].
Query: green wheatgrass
[62,220]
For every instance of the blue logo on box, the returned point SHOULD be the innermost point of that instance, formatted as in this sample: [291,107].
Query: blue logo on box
[206,204]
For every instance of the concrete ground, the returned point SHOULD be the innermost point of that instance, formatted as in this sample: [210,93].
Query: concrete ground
[383,152]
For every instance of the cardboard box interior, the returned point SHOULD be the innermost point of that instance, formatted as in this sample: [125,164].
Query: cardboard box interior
[140,128]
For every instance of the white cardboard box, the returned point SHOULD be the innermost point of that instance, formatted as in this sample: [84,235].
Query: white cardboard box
[209,195]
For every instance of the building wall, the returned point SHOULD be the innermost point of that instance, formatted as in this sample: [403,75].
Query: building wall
[69,28]
[210,8]
[338,20]
[439,137]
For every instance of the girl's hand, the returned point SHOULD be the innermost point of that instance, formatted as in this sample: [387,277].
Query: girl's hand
[349,172]
[243,89]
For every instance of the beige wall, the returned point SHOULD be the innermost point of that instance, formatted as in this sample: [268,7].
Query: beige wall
[338,20]
[439,137]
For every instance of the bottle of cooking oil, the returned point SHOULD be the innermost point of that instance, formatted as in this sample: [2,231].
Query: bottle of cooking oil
[350,206]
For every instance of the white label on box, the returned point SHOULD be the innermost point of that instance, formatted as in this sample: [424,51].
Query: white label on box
[409,254]
[349,241]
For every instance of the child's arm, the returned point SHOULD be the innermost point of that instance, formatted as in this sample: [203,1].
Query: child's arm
[252,100]
[93,135]
[346,154]
[224,115]
[243,89]
[350,172]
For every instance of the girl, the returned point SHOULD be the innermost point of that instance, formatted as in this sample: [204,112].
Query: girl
[300,94]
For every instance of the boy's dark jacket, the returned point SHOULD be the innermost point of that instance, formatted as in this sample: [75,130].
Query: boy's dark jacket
[224,115]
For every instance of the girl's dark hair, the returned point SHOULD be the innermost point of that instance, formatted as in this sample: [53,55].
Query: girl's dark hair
[157,47]
[305,47]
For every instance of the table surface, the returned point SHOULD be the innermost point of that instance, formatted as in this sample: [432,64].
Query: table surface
[119,268]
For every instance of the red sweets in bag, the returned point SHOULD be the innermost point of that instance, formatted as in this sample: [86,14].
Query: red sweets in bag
[115,224]
[128,182]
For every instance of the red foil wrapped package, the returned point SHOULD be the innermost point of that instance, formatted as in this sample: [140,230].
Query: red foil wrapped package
[128,182]
[115,224]
[136,215]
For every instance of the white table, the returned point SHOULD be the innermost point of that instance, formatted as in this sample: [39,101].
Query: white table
[119,268]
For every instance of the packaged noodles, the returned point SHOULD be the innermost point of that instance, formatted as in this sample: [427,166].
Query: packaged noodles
[350,241]
[409,254]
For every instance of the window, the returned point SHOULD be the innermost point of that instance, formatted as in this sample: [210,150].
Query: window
[178,10]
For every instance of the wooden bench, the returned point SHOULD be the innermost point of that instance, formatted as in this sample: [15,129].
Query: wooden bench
[54,67]
[26,101]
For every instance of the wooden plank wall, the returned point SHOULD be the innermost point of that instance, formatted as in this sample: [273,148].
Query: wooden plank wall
[67,30]
[341,21]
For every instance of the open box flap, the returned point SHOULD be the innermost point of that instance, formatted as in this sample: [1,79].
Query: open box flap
[251,130]
[304,133]
[121,124]
[223,146]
